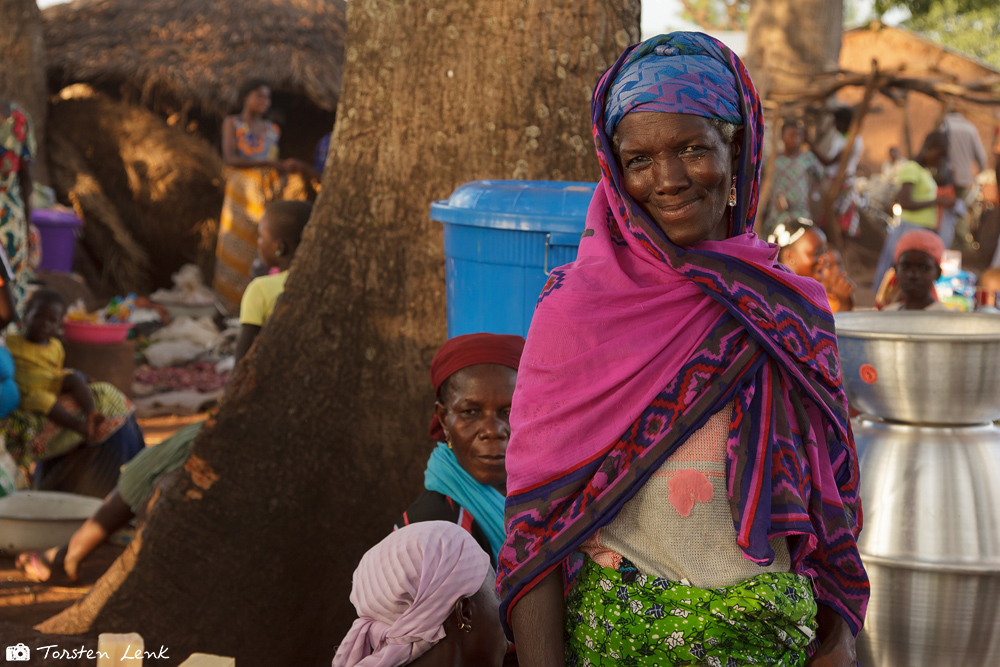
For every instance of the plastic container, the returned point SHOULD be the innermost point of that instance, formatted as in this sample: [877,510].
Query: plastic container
[96,334]
[41,519]
[57,230]
[501,239]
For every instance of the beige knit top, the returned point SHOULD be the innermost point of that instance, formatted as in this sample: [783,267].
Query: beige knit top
[679,525]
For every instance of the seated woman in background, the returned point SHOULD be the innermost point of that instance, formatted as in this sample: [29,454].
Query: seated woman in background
[135,485]
[78,435]
[425,595]
[917,266]
[278,236]
[802,248]
[465,480]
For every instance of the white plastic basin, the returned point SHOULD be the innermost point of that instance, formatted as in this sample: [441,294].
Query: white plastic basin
[42,519]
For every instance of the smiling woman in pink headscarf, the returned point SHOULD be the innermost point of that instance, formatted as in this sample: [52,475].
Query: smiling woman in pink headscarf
[682,483]
[424,596]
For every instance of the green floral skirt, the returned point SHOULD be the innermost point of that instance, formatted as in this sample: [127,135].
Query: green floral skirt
[624,618]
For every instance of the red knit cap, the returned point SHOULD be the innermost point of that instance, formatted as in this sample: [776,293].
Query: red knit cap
[468,350]
[923,240]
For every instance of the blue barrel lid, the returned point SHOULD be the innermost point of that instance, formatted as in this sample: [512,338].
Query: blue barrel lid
[530,206]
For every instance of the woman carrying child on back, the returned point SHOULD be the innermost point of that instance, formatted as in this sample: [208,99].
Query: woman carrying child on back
[278,236]
[78,435]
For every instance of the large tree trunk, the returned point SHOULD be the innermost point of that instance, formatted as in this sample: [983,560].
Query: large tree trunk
[790,41]
[22,68]
[321,440]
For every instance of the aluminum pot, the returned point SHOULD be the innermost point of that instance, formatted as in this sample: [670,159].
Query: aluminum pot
[931,544]
[922,367]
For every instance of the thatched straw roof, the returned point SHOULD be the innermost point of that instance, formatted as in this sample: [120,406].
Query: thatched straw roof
[199,51]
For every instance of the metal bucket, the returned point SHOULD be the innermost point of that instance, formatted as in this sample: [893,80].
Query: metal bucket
[922,367]
[930,488]
[930,544]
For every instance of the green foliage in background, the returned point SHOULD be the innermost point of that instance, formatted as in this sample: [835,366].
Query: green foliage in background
[973,31]
[732,14]
[922,8]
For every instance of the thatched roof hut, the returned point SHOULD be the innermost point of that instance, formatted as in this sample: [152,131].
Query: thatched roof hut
[189,57]
[199,50]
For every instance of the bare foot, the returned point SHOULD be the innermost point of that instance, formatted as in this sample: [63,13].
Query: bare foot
[41,566]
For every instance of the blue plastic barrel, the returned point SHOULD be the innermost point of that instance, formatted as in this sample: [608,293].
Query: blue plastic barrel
[501,238]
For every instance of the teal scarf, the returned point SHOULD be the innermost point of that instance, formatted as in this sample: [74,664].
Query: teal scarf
[446,476]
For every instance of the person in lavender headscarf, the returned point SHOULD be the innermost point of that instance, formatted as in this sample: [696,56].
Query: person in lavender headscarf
[424,596]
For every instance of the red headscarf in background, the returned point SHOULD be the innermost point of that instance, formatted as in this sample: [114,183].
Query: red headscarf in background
[469,350]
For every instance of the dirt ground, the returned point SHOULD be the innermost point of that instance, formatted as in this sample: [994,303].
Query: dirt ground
[23,602]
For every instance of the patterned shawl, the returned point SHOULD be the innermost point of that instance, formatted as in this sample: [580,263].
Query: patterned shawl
[635,344]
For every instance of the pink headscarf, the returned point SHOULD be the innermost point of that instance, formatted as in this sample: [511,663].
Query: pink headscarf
[405,588]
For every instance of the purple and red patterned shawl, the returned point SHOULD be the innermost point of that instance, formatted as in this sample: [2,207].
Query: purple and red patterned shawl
[635,344]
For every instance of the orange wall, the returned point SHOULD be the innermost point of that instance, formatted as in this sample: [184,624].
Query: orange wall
[895,49]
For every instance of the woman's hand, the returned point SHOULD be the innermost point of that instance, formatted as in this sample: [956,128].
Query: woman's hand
[946,201]
[837,647]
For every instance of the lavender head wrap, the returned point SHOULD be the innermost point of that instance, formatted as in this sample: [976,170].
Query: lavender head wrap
[405,588]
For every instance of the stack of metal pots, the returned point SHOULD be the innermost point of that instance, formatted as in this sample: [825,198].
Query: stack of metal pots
[928,385]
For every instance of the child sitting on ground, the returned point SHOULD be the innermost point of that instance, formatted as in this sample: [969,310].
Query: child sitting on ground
[279,233]
[59,412]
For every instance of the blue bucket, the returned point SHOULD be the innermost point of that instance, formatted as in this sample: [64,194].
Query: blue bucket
[501,239]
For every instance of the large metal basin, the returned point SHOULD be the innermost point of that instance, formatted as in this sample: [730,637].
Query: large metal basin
[922,367]
[930,544]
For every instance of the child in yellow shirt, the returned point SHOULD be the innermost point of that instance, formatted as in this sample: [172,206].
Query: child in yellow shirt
[60,415]
[279,233]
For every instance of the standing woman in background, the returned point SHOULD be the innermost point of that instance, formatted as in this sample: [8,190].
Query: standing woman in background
[17,151]
[250,147]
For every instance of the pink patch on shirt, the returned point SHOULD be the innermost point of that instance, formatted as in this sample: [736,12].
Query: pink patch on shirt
[688,487]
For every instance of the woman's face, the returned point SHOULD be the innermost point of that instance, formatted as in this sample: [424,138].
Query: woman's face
[475,414]
[804,256]
[43,322]
[258,100]
[679,169]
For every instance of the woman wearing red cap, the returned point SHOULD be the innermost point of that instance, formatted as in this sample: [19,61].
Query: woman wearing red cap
[466,476]
[917,265]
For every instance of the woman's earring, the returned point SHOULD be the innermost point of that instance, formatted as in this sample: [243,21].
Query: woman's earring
[466,628]
[732,192]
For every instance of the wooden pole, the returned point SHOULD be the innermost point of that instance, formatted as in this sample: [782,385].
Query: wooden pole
[904,104]
[830,196]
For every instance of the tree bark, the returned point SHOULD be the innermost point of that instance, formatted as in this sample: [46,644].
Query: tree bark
[790,41]
[22,69]
[321,440]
